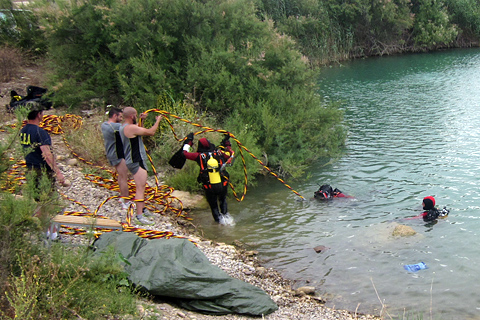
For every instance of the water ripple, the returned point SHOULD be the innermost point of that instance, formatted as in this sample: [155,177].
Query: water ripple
[414,128]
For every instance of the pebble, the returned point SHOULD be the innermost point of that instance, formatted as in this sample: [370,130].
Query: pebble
[234,260]
[72,162]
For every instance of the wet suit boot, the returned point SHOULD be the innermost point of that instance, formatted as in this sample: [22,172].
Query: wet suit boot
[212,202]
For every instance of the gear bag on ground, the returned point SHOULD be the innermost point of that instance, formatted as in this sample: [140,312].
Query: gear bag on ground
[177,268]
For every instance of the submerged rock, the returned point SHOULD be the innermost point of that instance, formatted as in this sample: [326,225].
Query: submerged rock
[403,231]
[306,290]
[320,248]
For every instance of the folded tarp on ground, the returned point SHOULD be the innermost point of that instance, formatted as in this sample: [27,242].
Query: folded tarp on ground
[177,268]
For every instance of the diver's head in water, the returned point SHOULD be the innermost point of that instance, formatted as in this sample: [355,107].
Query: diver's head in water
[324,193]
[428,203]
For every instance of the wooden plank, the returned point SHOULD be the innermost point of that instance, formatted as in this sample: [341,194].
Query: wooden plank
[87,221]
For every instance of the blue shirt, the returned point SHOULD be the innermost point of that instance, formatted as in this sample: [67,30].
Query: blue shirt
[31,138]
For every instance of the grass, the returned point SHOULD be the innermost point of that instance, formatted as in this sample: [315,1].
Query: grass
[62,282]
[87,142]
[186,178]
[54,281]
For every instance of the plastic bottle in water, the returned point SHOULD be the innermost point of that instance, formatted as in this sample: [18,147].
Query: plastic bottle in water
[415,267]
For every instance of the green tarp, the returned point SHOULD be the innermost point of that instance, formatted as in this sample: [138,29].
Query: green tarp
[177,268]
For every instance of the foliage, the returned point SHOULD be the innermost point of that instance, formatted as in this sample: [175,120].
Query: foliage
[217,54]
[355,28]
[185,179]
[30,38]
[236,58]
[325,31]
[389,24]
[245,134]
[319,38]
[8,31]
[172,129]
[432,27]
[465,14]
[53,281]
[65,283]
[5,4]
[19,28]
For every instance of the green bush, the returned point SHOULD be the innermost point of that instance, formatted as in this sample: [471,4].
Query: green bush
[8,27]
[318,38]
[57,283]
[332,30]
[64,283]
[432,27]
[217,55]
[185,178]
[19,28]
[31,37]
[466,14]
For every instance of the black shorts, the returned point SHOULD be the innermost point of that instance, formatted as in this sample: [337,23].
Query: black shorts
[133,167]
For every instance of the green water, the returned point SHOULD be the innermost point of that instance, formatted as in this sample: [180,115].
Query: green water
[414,126]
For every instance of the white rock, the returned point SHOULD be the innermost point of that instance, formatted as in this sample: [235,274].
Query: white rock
[72,162]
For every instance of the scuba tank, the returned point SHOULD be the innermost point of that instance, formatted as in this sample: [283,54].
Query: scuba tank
[213,171]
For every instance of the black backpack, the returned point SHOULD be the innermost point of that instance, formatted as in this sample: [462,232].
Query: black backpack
[36,98]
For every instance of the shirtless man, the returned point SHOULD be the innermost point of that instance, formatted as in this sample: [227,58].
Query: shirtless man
[136,156]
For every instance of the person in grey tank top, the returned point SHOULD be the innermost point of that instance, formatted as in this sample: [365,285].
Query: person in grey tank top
[136,156]
[114,150]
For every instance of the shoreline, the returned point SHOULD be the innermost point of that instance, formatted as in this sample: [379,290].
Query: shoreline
[235,260]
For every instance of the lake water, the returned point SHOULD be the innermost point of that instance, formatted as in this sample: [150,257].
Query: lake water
[414,131]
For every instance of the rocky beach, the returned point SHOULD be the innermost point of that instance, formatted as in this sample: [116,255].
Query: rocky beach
[235,259]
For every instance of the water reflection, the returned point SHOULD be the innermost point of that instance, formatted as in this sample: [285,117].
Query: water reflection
[413,131]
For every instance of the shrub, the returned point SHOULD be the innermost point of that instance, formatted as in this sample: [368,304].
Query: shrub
[11,62]
[69,283]
[466,14]
[19,28]
[30,37]
[185,179]
[432,27]
[217,54]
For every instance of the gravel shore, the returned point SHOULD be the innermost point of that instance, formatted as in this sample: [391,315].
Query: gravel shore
[236,260]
